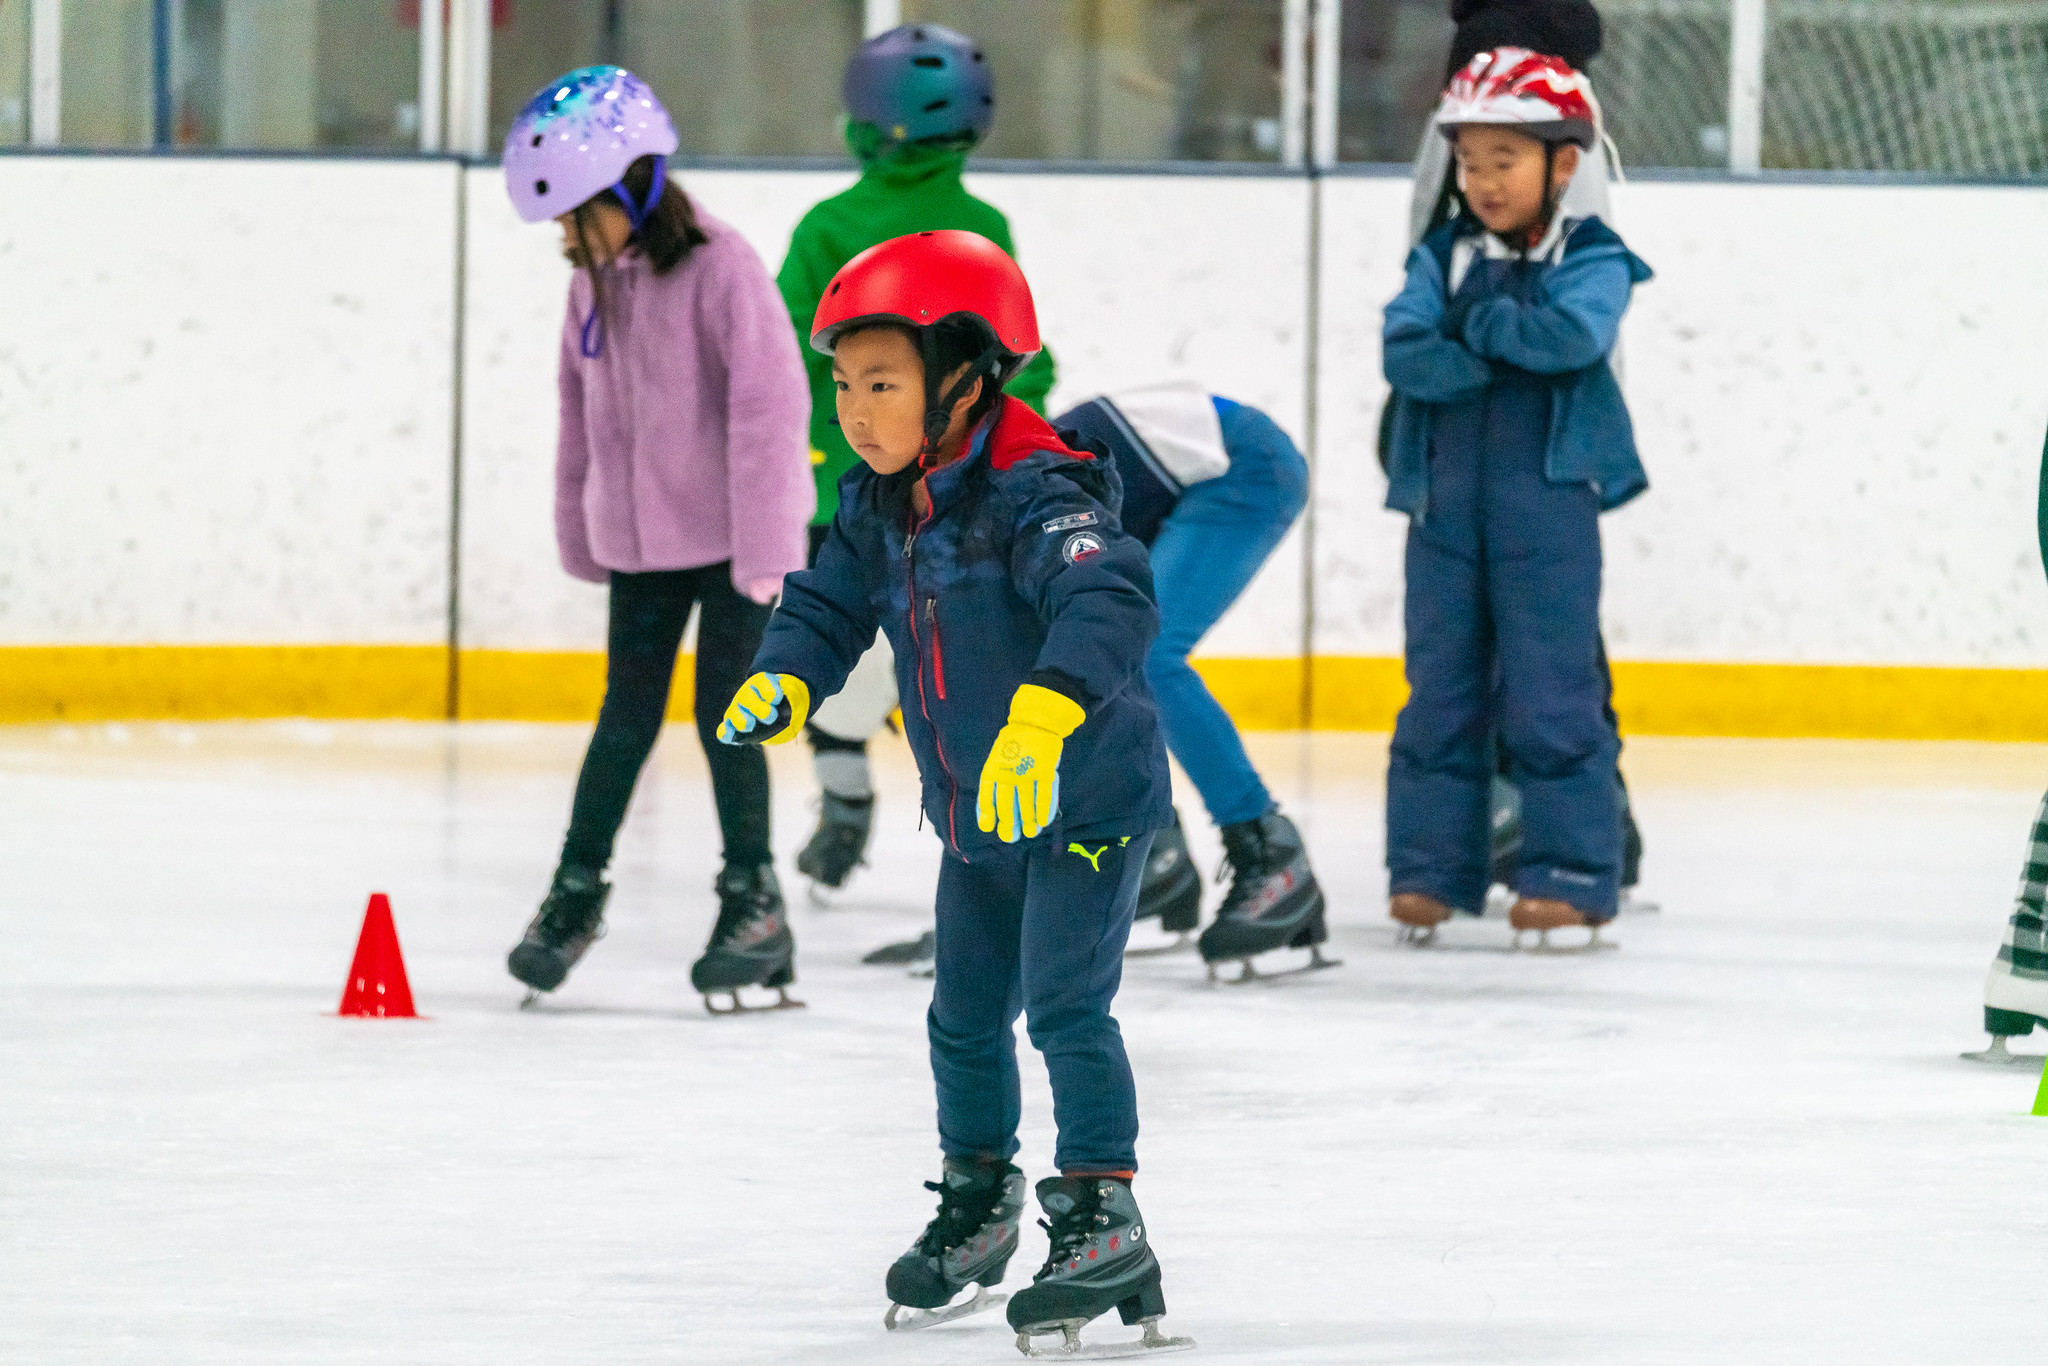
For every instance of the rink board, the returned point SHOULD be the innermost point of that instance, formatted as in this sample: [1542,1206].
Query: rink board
[240,444]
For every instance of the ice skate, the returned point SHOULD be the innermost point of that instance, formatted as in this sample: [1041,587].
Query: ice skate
[839,844]
[1418,915]
[1172,891]
[907,953]
[969,1242]
[2016,988]
[1101,1259]
[570,920]
[750,945]
[1541,915]
[1274,901]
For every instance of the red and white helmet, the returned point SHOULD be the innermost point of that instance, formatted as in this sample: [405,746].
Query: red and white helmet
[1512,87]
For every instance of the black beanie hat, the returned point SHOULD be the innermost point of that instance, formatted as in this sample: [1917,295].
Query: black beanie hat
[1569,29]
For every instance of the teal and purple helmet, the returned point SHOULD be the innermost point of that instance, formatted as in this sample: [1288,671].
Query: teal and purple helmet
[576,137]
[921,81]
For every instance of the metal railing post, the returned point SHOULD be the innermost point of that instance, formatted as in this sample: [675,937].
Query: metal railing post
[1747,24]
[1294,83]
[45,72]
[431,94]
[1325,92]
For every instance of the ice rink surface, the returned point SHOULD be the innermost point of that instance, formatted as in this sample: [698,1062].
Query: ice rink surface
[1745,1137]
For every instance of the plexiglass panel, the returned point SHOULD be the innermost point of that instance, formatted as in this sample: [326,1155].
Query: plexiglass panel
[1126,80]
[759,78]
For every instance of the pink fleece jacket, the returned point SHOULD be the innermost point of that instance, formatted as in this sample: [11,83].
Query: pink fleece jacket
[685,441]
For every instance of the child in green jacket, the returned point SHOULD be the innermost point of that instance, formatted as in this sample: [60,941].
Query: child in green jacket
[918,100]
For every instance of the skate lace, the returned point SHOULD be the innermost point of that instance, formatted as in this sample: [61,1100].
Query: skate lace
[567,912]
[738,902]
[1069,1231]
[962,1210]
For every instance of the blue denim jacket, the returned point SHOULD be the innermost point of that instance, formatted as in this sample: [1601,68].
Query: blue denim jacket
[1443,347]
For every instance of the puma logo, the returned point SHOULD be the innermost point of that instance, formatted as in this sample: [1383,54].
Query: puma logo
[1094,859]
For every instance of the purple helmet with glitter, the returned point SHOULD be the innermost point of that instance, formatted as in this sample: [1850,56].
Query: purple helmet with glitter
[576,137]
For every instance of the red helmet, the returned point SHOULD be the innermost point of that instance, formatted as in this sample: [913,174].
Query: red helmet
[926,278]
[1512,87]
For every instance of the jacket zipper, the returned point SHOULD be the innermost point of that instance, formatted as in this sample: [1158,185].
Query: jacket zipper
[924,703]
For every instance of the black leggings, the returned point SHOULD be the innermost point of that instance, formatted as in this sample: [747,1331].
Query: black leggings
[648,613]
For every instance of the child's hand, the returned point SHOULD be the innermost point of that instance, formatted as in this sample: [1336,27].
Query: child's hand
[1020,783]
[769,709]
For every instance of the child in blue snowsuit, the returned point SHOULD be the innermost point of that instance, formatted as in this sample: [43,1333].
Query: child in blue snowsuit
[1509,438]
[1019,612]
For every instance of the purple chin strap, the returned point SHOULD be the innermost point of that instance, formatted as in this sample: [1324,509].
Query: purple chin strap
[592,340]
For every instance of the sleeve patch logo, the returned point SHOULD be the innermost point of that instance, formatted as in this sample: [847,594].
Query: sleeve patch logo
[1080,546]
[1069,522]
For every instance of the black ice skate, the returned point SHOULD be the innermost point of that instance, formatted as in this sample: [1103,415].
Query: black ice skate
[907,953]
[570,920]
[750,945]
[839,844]
[1172,890]
[968,1242]
[1274,901]
[1101,1259]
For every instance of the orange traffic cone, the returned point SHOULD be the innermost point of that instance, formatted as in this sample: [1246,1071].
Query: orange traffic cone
[376,980]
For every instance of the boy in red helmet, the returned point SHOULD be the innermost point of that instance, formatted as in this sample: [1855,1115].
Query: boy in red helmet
[1509,438]
[1020,613]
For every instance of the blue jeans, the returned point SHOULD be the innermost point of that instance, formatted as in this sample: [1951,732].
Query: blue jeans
[1038,929]
[1211,545]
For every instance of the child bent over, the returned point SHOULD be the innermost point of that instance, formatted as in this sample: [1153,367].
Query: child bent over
[1020,613]
[1510,438]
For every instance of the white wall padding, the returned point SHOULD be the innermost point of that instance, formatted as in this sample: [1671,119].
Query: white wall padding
[224,400]
[1839,391]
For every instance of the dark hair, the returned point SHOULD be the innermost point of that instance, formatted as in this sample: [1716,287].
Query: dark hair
[670,233]
[1569,29]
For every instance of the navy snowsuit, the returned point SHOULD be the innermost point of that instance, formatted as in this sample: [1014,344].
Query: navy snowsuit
[1510,437]
[1020,574]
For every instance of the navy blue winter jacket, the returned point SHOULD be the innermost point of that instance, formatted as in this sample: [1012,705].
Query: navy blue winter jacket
[1021,574]
[1441,349]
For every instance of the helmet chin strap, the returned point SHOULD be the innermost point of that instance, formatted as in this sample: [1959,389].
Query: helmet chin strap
[639,210]
[938,414]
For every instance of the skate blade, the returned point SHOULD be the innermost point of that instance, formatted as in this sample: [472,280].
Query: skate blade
[782,1001]
[901,1318]
[1499,900]
[532,1000]
[1415,936]
[925,972]
[1071,1348]
[1182,944]
[1998,1055]
[1594,944]
[1250,974]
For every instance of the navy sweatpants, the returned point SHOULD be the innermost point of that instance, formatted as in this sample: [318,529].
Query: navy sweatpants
[1036,928]
[1504,583]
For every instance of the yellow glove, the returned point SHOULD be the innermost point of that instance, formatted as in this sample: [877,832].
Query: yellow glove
[1020,783]
[769,709]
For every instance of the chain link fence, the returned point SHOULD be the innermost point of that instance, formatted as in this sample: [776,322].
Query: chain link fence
[1941,86]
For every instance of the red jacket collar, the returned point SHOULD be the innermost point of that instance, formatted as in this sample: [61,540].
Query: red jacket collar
[1020,433]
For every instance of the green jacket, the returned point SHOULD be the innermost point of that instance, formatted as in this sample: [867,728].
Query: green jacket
[916,189]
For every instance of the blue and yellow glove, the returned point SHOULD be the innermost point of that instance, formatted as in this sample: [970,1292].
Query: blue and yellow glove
[1020,783]
[769,709]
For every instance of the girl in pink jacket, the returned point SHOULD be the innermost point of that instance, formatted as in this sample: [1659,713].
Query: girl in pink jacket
[682,480]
